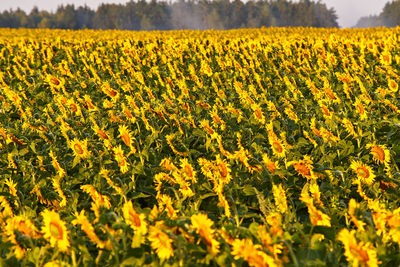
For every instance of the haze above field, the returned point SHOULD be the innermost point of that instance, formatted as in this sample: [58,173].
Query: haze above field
[348,11]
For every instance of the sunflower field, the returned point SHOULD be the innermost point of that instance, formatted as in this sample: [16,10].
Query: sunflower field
[257,147]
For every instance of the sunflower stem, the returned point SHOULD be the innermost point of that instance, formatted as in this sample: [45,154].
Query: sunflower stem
[292,255]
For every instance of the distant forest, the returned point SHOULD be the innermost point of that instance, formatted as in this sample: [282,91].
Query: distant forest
[389,17]
[181,14]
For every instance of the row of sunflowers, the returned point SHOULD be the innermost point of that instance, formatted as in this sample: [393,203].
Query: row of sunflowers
[258,147]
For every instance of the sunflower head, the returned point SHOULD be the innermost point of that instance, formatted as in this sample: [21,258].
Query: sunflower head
[55,230]
[188,170]
[125,135]
[364,172]
[161,242]
[380,153]
[135,220]
[393,86]
[360,109]
[304,167]
[278,148]
[80,148]
[54,82]
[269,164]
[280,198]
[223,169]
[167,164]
[203,226]
[359,253]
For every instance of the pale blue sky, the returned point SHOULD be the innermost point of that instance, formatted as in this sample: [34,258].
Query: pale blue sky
[349,11]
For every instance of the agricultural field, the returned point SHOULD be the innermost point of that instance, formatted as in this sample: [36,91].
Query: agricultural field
[264,147]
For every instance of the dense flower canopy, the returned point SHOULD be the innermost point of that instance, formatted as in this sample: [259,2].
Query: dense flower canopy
[259,147]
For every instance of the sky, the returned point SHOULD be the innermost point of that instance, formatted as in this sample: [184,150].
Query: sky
[348,11]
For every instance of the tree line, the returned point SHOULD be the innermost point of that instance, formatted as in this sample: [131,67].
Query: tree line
[389,17]
[181,14]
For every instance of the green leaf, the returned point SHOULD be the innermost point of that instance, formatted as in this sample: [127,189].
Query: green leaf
[249,190]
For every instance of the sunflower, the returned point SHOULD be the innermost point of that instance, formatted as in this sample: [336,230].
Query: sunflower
[348,125]
[314,129]
[325,111]
[253,254]
[359,253]
[8,231]
[307,135]
[327,136]
[87,227]
[74,107]
[363,171]
[113,94]
[217,121]
[242,248]
[207,167]
[268,242]
[166,202]
[386,58]
[360,109]
[61,172]
[315,194]
[80,148]
[128,114]
[205,124]
[332,97]
[280,198]
[269,164]
[201,104]
[57,188]
[136,221]
[380,153]
[6,210]
[25,227]
[272,108]
[107,104]
[222,150]
[393,85]
[235,112]
[12,187]
[278,148]
[188,171]
[203,226]
[169,138]
[353,205]
[161,242]
[291,115]
[101,133]
[223,169]
[167,164]
[54,82]
[105,174]
[125,135]
[258,113]
[99,199]
[55,230]
[121,159]
[372,47]
[222,200]
[317,217]
[304,167]
[52,264]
